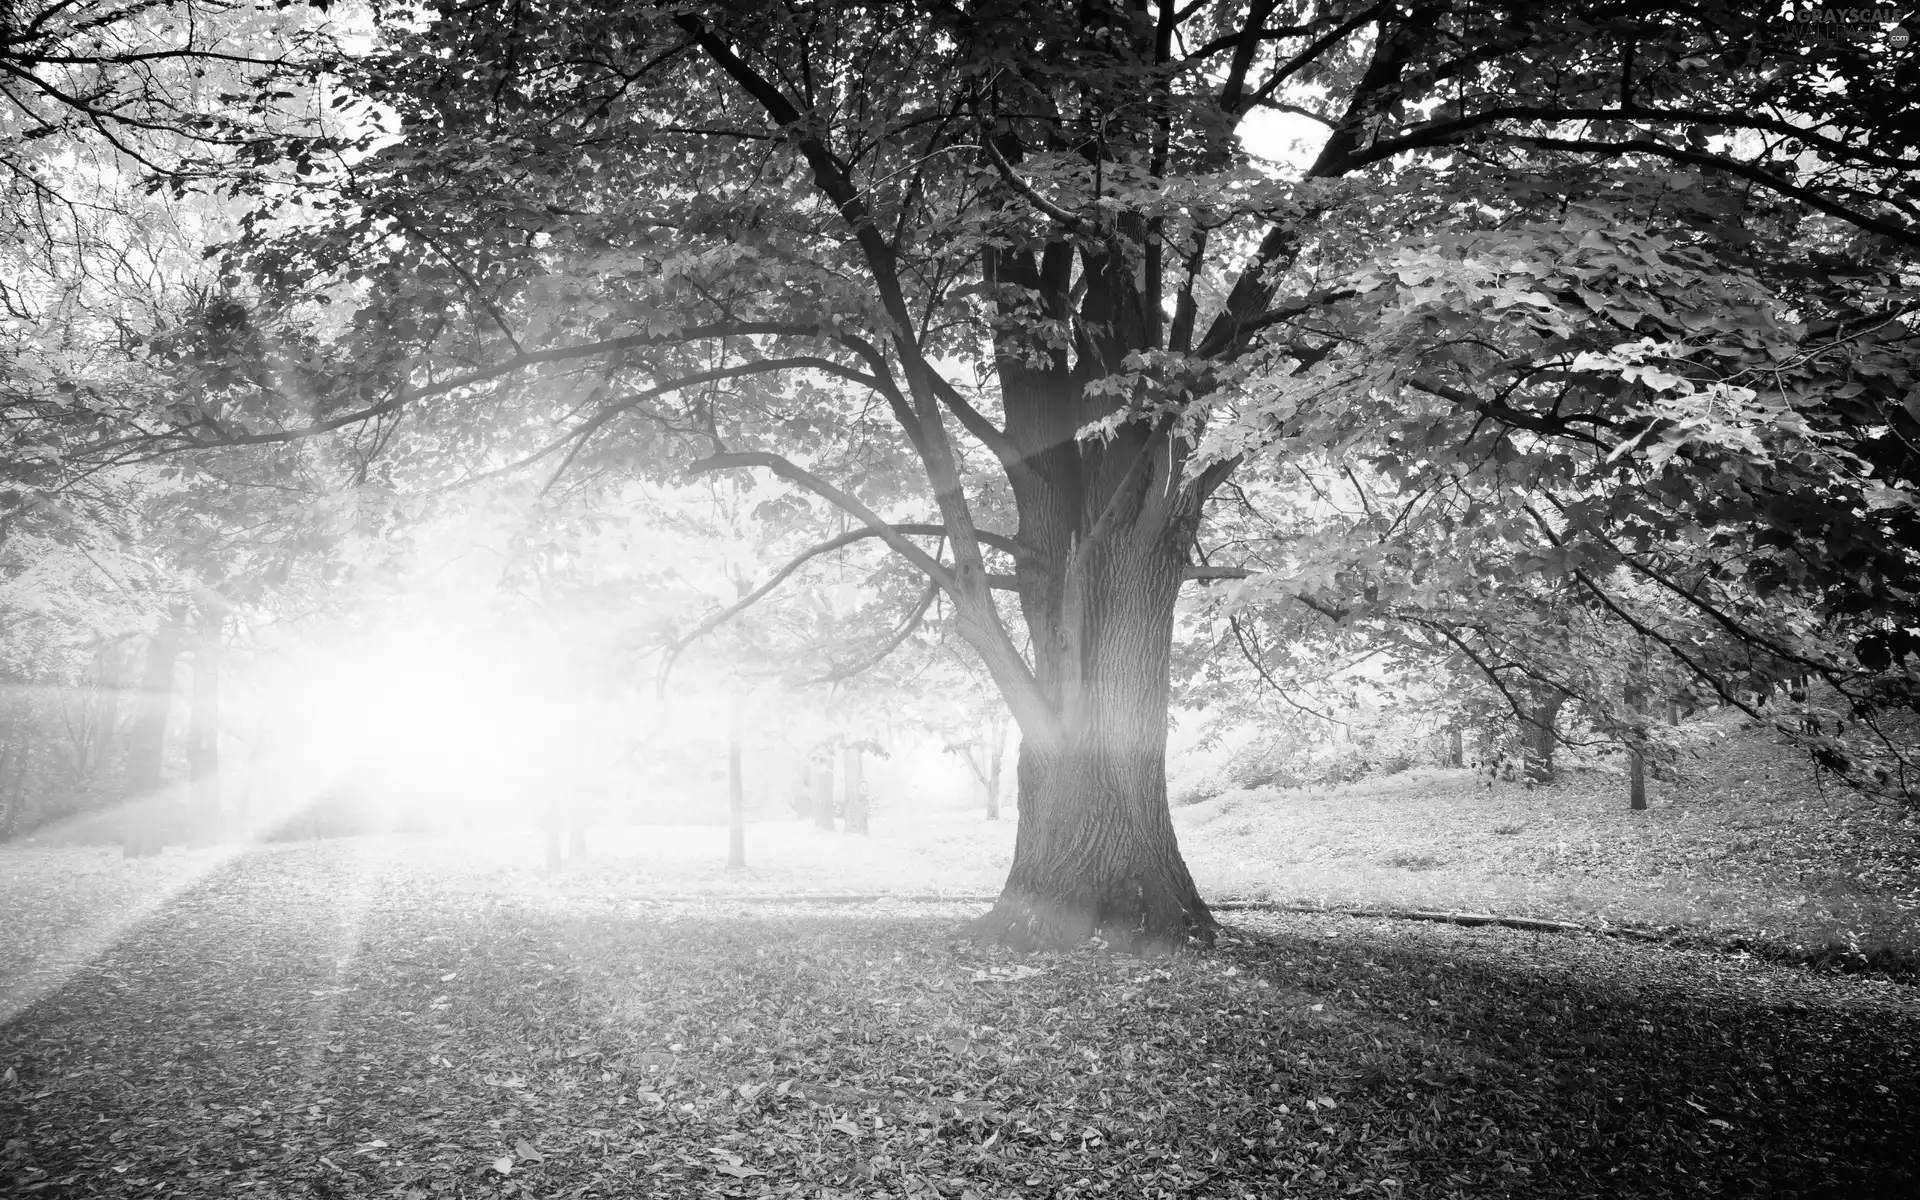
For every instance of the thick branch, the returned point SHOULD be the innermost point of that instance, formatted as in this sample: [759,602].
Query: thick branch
[1207,572]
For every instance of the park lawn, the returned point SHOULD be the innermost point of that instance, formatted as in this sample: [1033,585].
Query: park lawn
[1746,848]
[355,1018]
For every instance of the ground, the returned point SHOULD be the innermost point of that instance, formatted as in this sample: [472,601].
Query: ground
[429,1019]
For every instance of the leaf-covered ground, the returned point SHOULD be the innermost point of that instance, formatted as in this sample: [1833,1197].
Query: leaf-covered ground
[349,1019]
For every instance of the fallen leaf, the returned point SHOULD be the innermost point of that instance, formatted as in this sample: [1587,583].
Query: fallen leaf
[504,1164]
[527,1153]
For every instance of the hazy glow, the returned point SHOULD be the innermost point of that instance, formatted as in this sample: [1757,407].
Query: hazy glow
[412,728]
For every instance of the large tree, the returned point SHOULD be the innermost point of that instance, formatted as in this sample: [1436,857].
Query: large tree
[1018,253]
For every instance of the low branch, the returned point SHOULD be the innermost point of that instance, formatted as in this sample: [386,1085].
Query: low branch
[869,661]
[792,472]
[747,601]
[1207,572]
[1253,659]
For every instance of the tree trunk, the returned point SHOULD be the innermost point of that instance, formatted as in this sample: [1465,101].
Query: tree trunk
[1456,751]
[823,792]
[736,798]
[1636,746]
[141,832]
[999,750]
[1095,853]
[854,780]
[1539,735]
[203,730]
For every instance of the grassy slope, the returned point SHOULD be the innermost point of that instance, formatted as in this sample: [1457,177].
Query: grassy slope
[1749,845]
[347,1019]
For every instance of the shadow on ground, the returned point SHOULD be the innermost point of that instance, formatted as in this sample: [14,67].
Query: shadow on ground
[325,1025]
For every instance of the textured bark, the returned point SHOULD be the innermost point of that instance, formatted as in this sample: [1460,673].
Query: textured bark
[823,792]
[142,832]
[1636,781]
[1456,752]
[203,730]
[1096,854]
[854,780]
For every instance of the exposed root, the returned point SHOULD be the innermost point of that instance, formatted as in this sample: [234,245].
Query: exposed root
[1023,921]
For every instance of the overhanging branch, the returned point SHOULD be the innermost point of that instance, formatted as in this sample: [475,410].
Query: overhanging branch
[792,472]
[779,577]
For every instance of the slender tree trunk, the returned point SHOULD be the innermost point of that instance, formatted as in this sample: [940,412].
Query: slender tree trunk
[999,751]
[1539,735]
[853,778]
[823,792]
[1095,853]
[736,798]
[141,833]
[1636,747]
[203,729]
[1456,751]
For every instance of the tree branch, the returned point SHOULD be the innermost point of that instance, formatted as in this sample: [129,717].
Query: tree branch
[1766,179]
[914,618]
[517,362]
[787,469]
[1209,572]
[767,366]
